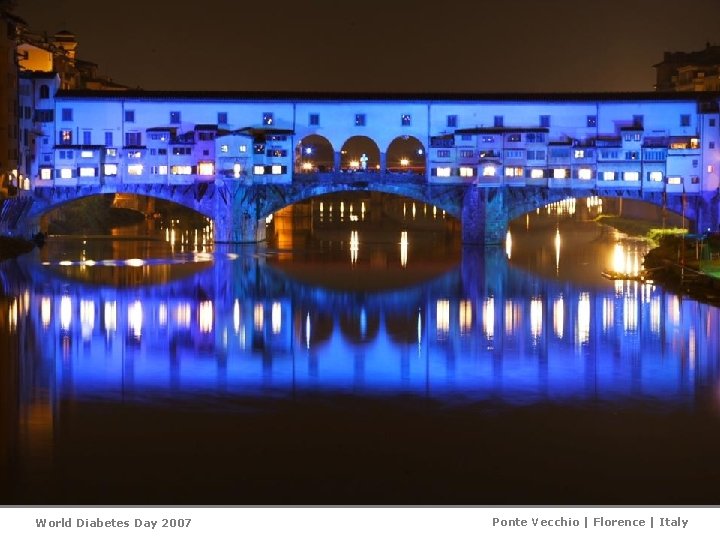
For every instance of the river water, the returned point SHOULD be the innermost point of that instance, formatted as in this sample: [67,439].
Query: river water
[355,360]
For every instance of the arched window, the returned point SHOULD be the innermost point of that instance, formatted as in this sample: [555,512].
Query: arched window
[44,91]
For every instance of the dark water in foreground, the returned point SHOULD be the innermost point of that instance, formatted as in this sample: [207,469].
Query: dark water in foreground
[335,367]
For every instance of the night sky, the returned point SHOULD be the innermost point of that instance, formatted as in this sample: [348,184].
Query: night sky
[393,46]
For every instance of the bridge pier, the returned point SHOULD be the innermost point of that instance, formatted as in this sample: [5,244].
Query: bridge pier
[707,214]
[238,217]
[484,216]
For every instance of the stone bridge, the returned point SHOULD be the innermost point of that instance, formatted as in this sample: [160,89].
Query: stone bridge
[239,209]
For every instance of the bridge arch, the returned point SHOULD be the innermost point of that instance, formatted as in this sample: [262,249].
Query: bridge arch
[314,153]
[406,154]
[360,153]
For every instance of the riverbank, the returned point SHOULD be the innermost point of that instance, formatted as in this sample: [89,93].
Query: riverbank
[12,247]
[638,227]
[680,265]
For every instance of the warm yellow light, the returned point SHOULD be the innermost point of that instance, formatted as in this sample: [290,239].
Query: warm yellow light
[206,168]
[404,162]
[354,164]
[307,166]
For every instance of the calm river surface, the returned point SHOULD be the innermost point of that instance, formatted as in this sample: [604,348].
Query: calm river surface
[354,361]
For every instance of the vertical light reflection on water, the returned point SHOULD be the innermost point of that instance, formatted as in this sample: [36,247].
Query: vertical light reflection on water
[65,312]
[489,318]
[442,318]
[403,249]
[276,317]
[135,318]
[536,318]
[559,317]
[557,250]
[465,316]
[508,245]
[87,318]
[45,311]
[583,319]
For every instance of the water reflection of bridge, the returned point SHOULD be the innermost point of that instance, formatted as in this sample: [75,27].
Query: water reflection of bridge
[482,331]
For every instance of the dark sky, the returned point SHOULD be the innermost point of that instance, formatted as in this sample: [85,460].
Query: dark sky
[403,46]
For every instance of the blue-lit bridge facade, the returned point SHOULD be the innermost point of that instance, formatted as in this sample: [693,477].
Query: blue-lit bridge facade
[238,157]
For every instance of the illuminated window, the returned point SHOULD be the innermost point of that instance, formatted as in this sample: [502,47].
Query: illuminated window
[514,171]
[110,169]
[709,168]
[277,169]
[489,170]
[66,173]
[258,170]
[655,176]
[467,172]
[243,148]
[236,170]
[87,171]
[206,168]
[134,154]
[135,169]
[609,175]
[181,169]
[559,173]
[224,148]
[268,119]
[537,173]
[45,173]
[579,153]
[674,180]
[585,174]
[86,153]
[444,171]
[65,136]
[162,169]
[694,143]
[631,176]
[111,152]
[405,119]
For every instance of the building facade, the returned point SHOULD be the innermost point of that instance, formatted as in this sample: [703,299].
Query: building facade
[654,142]
[697,71]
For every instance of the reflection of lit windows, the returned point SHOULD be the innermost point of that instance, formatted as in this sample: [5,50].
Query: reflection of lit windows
[442,318]
[205,316]
[87,171]
[585,174]
[258,169]
[110,169]
[467,172]
[46,173]
[559,317]
[66,173]
[276,318]
[465,316]
[583,318]
[609,175]
[489,317]
[655,176]
[536,309]
[258,317]
[206,168]
[183,315]
[444,171]
[631,176]
[135,169]
[559,173]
